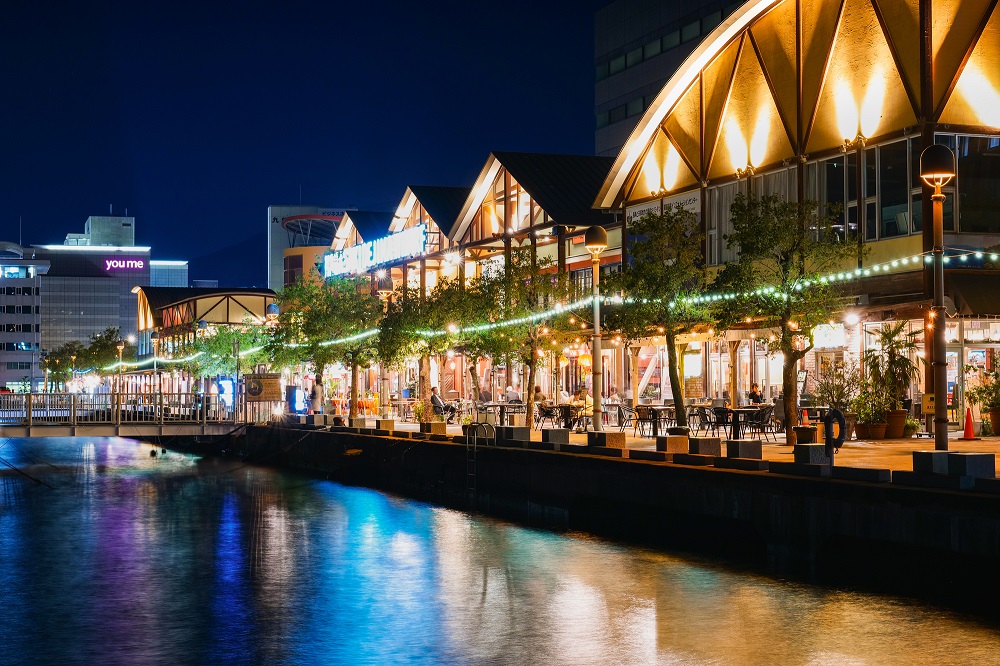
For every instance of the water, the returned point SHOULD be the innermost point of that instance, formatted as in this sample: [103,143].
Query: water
[128,559]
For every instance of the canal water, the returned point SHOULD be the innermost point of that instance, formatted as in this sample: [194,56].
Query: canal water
[110,556]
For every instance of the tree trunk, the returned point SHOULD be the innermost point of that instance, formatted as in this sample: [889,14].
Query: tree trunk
[529,404]
[675,381]
[354,390]
[424,386]
[789,393]
[633,374]
[734,369]
[474,373]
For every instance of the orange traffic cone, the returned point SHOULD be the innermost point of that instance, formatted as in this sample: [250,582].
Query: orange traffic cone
[969,431]
[805,417]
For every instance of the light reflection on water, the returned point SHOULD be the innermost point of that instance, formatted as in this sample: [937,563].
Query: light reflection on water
[130,559]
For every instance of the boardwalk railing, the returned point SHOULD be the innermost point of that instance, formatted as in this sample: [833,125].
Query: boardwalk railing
[124,408]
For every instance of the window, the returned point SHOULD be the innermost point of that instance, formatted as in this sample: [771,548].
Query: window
[617,114]
[691,31]
[651,49]
[602,120]
[633,57]
[616,65]
[978,183]
[634,107]
[601,72]
[18,365]
[894,192]
[671,40]
[709,22]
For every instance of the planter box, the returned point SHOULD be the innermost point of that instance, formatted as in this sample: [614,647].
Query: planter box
[870,430]
[434,427]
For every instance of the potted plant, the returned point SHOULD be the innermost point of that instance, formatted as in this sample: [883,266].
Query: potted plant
[872,406]
[466,422]
[889,364]
[911,427]
[986,393]
[837,386]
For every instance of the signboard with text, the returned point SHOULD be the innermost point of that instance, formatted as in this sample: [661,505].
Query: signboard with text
[263,387]
[360,258]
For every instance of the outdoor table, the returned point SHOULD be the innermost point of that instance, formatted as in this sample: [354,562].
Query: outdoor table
[659,412]
[567,413]
[736,429]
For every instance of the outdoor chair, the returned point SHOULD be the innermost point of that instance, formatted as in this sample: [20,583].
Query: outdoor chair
[759,422]
[626,417]
[545,413]
[644,416]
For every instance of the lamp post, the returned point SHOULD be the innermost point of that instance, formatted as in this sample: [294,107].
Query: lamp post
[121,349]
[154,337]
[596,241]
[937,168]
[385,293]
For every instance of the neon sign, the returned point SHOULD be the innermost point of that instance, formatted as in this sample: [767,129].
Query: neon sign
[360,258]
[124,264]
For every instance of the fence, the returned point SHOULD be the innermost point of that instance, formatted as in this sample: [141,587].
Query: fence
[30,409]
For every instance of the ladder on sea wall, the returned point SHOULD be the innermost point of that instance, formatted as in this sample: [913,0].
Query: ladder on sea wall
[472,434]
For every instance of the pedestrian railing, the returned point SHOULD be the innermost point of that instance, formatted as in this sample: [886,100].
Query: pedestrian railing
[116,409]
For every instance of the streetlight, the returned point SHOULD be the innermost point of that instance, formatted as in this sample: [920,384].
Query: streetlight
[154,337]
[596,241]
[121,350]
[385,293]
[937,168]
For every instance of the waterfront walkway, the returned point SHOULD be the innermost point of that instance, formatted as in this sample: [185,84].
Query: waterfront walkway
[894,454]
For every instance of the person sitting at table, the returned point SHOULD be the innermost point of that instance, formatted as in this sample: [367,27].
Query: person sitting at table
[441,407]
[563,396]
[485,395]
[512,395]
[755,396]
[585,407]
[539,396]
[613,396]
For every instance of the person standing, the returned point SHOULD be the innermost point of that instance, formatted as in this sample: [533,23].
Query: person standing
[316,397]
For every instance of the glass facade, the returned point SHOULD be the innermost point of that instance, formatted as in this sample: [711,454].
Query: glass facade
[20,320]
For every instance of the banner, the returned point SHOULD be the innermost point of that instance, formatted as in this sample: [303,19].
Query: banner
[263,388]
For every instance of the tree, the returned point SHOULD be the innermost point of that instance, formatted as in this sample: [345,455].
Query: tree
[334,320]
[784,249]
[660,286]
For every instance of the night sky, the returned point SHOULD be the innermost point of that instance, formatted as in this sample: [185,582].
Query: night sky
[196,116]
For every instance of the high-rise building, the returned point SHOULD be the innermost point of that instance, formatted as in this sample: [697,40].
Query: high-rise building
[166,273]
[20,318]
[638,45]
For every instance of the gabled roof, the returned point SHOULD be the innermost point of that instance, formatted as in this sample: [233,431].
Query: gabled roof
[442,203]
[565,186]
[370,224]
[161,297]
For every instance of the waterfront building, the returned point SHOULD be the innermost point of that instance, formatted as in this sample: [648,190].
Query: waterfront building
[834,101]
[296,237]
[20,318]
[519,200]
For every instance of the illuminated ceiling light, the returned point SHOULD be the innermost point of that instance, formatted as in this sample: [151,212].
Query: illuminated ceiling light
[852,319]
[380,274]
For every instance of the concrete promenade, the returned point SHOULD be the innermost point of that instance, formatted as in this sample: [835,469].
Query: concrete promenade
[894,454]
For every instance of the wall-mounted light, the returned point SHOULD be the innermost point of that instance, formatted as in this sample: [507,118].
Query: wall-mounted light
[745,172]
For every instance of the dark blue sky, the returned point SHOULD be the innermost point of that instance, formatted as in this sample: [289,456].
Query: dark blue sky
[196,116]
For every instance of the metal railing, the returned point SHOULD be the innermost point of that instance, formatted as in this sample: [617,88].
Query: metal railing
[30,409]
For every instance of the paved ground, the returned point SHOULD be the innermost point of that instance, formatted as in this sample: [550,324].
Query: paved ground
[887,453]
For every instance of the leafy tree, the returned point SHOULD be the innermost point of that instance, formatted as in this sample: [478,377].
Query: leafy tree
[314,315]
[103,349]
[660,285]
[784,248]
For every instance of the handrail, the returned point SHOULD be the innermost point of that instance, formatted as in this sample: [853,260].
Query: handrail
[73,409]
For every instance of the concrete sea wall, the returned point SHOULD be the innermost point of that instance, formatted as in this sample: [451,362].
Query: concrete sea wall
[937,544]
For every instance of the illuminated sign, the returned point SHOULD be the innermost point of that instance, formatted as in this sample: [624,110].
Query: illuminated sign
[360,258]
[124,264]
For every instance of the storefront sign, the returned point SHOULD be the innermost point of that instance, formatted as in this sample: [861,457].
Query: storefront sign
[360,258]
[124,264]
[263,388]
[690,201]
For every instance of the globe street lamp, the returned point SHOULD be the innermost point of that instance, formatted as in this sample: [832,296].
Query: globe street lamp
[596,241]
[121,349]
[937,168]
[154,337]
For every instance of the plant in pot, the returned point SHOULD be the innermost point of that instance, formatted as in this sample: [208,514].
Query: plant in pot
[872,404]
[911,427]
[837,386]
[986,393]
[466,422]
[889,365]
